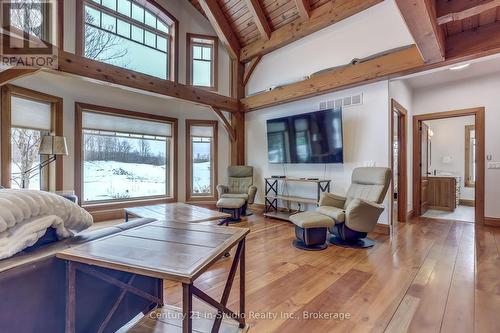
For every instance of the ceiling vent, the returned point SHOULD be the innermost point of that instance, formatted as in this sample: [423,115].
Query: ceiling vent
[343,102]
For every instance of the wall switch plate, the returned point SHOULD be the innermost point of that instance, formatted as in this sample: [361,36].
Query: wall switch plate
[493,165]
[370,164]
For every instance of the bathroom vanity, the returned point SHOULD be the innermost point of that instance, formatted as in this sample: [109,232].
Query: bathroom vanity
[444,192]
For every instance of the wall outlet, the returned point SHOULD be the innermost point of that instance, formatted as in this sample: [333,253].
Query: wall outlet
[493,165]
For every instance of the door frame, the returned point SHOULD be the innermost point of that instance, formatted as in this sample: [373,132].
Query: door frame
[402,160]
[479,114]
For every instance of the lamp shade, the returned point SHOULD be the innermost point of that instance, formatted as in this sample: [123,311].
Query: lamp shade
[53,145]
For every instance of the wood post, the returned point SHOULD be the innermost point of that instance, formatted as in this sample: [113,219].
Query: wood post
[238,119]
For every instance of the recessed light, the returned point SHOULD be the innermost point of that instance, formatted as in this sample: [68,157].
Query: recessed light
[459,67]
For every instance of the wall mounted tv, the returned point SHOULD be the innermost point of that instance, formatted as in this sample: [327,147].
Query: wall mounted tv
[306,138]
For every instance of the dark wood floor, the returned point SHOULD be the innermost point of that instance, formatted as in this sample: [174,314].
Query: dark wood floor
[431,276]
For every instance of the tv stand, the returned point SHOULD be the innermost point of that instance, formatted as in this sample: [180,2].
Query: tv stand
[272,196]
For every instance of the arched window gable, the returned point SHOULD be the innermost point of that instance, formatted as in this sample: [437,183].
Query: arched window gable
[134,34]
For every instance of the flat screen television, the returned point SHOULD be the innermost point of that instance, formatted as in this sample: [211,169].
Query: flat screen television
[314,137]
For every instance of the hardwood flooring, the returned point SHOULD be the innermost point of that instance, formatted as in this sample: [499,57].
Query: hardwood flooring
[431,276]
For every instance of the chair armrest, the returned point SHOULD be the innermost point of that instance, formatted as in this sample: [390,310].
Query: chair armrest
[332,200]
[362,215]
[221,189]
[252,191]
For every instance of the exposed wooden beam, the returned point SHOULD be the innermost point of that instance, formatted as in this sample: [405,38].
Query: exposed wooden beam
[480,42]
[469,12]
[238,119]
[12,74]
[420,17]
[221,26]
[250,68]
[304,7]
[372,70]
[80,66]
[227,125]
[321,17]
[259,18]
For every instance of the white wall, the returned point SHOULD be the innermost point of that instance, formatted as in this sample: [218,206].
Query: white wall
[190,20]
[377,29]
[366,139]
[449,140]
[465,94]
[73,89]
[403,94]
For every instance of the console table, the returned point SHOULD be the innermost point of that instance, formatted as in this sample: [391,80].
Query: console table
[272,195]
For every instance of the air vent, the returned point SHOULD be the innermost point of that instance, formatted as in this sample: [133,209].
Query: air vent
[343,102]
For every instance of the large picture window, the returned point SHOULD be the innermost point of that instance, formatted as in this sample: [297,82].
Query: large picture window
[132,34]
[125,156]
[27,116]
[202,61]
[201,154]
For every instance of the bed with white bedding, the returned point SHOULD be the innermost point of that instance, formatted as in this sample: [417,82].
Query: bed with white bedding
[25,216]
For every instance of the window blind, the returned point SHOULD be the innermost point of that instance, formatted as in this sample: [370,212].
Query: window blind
[30,114]
[112,123]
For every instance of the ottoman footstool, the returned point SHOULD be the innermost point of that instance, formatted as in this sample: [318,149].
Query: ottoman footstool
[311,229]
[233,206]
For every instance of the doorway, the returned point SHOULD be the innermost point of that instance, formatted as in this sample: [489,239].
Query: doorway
[399,184]
[439,188]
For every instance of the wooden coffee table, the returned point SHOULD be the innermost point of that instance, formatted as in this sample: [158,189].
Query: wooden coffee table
[178,252]
[179,212]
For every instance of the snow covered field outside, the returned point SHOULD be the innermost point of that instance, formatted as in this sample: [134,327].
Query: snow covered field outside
[109,180]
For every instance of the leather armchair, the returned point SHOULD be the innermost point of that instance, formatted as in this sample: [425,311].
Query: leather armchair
[357,213]
[240,184]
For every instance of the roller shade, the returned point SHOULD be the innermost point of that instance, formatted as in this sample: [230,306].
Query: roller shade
[30,114]
[202,131]
[111,123]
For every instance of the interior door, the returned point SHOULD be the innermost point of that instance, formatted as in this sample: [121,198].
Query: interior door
[424,168]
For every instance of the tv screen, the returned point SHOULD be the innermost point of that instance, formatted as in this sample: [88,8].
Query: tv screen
[306,138]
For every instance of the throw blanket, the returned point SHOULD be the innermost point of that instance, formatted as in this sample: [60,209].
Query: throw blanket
[25,215]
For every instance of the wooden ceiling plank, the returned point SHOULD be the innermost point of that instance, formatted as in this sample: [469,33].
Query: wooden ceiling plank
[260,18]
[221,26]
[378,68]
[304,8]
[469,12]
[480,42]
[328,14]
[420,17]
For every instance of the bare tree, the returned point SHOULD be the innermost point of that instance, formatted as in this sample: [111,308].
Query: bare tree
[26,143]
[102,45]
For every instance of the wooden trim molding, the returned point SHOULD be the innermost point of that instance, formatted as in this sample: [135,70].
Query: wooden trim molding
[492,221]
[189,161]
[8,91]
[329,13]
[467,174]
[78,153]
[383,229]
[403,157]
[479,113]
[214,62]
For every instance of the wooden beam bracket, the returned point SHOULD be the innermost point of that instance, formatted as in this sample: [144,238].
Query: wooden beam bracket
[227,125]
[249,69]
